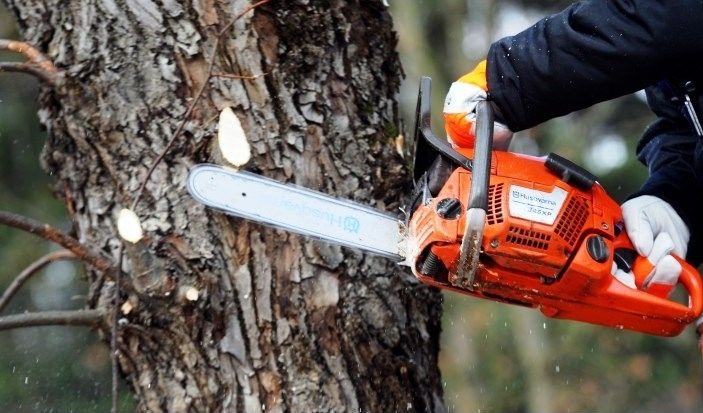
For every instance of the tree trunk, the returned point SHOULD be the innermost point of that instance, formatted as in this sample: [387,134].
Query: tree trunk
[280,323]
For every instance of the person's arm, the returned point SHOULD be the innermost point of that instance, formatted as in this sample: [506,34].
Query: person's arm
[670,158]
[593,51]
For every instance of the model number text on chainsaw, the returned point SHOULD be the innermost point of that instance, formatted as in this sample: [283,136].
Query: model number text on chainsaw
[534,205]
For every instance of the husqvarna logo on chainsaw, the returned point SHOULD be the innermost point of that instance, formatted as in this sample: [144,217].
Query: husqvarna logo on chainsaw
[348,223]
[534,205]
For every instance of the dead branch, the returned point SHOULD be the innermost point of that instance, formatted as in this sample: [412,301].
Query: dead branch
[37,64]
[24,68]
[52,318]
[95,260]
[32,269]
[189,111]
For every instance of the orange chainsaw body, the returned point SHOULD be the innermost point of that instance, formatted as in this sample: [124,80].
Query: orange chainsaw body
[546,244]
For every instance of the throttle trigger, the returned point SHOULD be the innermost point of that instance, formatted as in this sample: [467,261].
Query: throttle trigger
[625,258]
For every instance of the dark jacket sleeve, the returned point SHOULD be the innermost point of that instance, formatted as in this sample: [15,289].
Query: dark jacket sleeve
[673,157]
[593,51]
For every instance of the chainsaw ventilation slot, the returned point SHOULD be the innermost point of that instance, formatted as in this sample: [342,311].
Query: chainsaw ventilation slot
[528,238]
[572,220]
[495,204]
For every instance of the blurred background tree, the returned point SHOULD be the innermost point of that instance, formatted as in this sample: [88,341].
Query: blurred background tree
[495,358]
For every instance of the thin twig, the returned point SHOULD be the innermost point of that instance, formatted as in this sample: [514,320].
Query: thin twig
[30,52]
[24,68]
[242,77]
[52,318]
[239,16]
[189,111]
[113,339]
[37,64]
[32,269]
[95,260]
[171,142]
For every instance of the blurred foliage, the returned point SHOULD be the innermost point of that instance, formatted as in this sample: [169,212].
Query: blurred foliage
[499,358]
[488,357]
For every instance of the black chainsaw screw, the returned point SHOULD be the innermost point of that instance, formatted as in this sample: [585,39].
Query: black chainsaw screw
[449,208]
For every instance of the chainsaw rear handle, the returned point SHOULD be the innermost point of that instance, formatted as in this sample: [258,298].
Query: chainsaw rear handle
[689,278]
[627,259]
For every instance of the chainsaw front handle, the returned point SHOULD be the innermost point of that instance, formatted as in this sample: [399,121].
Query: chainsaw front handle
[478,198]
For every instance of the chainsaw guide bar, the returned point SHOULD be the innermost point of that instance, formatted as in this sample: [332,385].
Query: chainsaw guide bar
[299,210]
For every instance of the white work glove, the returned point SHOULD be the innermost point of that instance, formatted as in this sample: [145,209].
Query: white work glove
[656,231]
[460,111]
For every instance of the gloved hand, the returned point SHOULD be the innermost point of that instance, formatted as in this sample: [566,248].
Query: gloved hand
[656,231]
[460,110]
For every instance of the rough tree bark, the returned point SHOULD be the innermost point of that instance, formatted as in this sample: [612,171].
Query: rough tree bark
[280,323]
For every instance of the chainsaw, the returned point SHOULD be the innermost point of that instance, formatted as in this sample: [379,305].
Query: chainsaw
[539,232]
